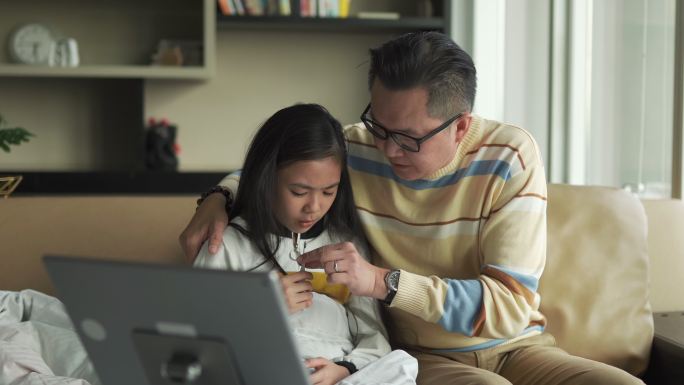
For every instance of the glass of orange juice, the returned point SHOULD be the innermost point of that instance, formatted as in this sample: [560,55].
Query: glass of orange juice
[335,291]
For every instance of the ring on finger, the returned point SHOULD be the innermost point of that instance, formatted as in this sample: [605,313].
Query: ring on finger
[335,267]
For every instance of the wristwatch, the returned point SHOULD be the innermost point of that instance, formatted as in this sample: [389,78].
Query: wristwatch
[392,283]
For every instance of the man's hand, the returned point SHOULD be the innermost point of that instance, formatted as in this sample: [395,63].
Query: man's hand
[343,264]
[327,372]
[297,288]
[209,221]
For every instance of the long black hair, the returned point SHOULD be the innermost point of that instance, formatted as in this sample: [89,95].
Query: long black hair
[297,133]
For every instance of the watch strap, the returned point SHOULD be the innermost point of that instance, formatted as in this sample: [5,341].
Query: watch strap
[390,296]
[391,289]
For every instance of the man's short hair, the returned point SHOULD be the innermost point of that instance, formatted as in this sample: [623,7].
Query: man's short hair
[431,60]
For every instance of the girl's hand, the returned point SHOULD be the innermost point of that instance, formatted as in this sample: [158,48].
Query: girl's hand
[327,372]
[297,289]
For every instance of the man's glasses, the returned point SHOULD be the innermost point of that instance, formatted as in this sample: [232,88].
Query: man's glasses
[406,142]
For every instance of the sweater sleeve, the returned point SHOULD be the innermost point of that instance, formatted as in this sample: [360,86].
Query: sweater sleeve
[513,251]
[502,302]
[231,181]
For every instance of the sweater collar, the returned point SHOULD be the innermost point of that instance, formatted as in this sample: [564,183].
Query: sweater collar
[472,137]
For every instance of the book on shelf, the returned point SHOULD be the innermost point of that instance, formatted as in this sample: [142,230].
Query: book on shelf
[272,7]
[344,8]
[226,7]
[308,8]
[328,8]
[301,8]
[231,7]
[284,7]
[239,7]
[254,7]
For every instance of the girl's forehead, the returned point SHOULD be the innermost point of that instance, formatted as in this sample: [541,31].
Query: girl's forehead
[314,170]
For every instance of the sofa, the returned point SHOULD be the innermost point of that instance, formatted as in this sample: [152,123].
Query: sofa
[612,261]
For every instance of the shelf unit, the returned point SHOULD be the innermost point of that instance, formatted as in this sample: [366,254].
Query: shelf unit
[104,71]
[116,39]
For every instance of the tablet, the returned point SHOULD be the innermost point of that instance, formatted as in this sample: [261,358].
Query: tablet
[167,324]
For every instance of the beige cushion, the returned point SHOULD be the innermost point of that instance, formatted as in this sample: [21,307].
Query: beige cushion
[595,286]
[666,248]
[143,229]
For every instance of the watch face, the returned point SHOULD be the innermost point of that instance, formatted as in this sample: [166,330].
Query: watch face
[31,44]
[393,280]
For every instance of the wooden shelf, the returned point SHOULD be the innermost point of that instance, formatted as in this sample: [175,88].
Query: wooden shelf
[116,39]
[329,24]
[115,182]
[106,71]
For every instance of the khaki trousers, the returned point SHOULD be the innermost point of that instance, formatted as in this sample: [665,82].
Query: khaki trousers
[534,360]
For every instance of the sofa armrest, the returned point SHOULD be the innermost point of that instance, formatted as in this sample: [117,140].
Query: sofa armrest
[665,366]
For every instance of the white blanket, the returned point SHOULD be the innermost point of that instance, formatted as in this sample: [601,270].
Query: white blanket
[395,368]
[38,344]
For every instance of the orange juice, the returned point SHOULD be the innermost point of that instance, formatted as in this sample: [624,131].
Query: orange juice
[336,291]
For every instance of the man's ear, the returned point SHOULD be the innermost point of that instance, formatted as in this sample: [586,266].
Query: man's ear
[463,125]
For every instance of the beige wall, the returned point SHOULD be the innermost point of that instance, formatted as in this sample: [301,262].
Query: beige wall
[80,124]
[61,124]
[257,73]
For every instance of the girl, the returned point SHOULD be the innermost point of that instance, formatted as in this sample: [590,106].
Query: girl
[295,196]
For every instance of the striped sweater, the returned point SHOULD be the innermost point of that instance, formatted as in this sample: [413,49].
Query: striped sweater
[470,240]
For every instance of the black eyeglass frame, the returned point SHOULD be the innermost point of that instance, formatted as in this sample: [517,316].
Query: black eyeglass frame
[384,133]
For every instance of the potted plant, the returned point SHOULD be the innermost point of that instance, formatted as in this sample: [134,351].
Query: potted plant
[11,136]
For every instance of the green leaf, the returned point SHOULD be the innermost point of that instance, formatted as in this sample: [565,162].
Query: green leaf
[13,136]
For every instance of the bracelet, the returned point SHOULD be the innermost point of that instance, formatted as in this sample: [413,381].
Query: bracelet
[347,365]
[217,189]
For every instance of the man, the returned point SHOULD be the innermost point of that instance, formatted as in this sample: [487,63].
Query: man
[454,209]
